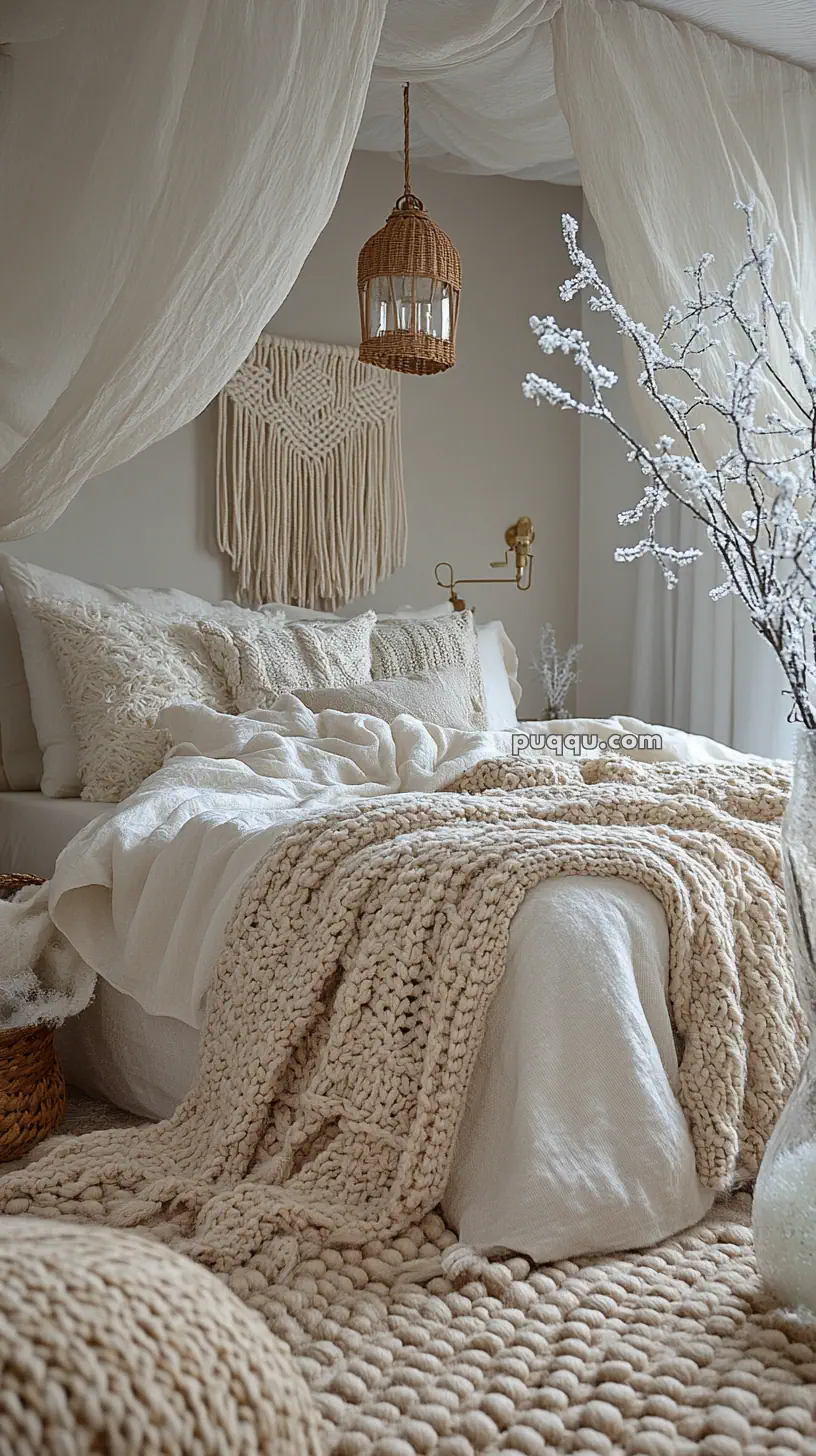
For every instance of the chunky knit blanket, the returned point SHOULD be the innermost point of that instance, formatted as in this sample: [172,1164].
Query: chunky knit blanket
[350,999]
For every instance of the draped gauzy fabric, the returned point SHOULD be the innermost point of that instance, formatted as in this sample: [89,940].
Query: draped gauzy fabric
[482,88]
[671,124]
[164,170]
[483,95]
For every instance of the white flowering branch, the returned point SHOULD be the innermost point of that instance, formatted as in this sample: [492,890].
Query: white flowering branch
[557,673]
[756,501]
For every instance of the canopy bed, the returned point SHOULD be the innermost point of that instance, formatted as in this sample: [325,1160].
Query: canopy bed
[403,1010]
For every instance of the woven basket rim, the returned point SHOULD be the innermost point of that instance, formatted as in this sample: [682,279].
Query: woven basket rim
[11,883]
[32,1086]
[394,351]
[410,245]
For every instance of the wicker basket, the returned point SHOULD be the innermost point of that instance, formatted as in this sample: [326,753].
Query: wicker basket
[32,1087]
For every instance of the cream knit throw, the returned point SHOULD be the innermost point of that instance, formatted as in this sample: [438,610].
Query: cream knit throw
[350,1000]
[310,503]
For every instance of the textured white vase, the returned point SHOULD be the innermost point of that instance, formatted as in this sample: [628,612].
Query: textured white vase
[785,1194]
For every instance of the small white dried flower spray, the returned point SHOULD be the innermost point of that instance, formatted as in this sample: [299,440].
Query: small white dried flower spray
[557,673]
[767,550]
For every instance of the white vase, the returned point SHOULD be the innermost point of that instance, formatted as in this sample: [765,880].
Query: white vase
[785,1194]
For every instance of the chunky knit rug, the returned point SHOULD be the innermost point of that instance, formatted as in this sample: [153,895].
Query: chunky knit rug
[342,1026]
[668,1352]
[665,1353]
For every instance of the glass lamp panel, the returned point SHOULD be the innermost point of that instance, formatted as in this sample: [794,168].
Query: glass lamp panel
[380,318]
[415,305]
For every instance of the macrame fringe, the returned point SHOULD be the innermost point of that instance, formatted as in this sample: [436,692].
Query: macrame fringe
[310,497]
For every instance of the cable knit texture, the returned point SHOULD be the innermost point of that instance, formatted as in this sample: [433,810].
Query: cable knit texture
[412,646]
[111,1343]
[260,659]
[342,1026]
[118,668]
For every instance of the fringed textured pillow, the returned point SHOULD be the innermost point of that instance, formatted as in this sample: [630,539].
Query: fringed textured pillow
[118,668]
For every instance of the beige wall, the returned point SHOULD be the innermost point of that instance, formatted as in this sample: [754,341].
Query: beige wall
[476,454]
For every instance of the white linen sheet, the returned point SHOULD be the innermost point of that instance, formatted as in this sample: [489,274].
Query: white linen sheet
[573,1140]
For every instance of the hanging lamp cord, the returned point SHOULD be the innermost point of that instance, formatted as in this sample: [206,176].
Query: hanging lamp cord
[406,118]
[408,202]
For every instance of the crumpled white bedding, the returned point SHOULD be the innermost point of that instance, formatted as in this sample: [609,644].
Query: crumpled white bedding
[573,1140]
[145,893]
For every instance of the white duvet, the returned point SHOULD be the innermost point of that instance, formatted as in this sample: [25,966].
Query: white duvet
[573,1139]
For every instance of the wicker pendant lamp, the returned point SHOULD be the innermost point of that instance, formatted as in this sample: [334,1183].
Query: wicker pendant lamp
[408,281]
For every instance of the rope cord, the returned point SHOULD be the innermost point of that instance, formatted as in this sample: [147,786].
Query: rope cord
[406,117]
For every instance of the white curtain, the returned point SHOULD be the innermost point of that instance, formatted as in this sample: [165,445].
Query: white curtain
[482,88]
[165,167]
[671,124]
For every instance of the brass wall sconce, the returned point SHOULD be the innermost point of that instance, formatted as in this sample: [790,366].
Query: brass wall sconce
[519,538]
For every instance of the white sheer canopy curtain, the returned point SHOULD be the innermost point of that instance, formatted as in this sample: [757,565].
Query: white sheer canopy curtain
[671,124]
[164,170]
[482,88]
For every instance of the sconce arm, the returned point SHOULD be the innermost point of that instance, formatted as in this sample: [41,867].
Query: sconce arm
[519,538]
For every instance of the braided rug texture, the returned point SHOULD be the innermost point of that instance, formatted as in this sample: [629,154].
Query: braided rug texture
[343,1023]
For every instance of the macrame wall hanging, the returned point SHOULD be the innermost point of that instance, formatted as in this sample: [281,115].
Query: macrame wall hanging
[310,503]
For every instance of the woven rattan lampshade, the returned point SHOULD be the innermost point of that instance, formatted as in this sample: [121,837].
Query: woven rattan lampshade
[408,281]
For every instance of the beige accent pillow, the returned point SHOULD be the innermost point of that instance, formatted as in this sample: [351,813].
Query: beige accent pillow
[442,698]
[414,647]
[259,659]
[118,668]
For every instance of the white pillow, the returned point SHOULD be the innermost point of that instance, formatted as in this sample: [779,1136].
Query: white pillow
[24,586]
[260,659]
[118,667]
[297,614]
[498,660]
[22,759]
[419,614]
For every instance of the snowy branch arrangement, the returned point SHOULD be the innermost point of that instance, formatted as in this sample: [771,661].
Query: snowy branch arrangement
[557,673]
[757,383]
